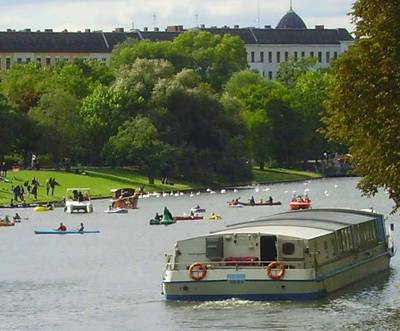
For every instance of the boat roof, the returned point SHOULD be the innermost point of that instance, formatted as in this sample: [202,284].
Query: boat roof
[120,189]
[305,224]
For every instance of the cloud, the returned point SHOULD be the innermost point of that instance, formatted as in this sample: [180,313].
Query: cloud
[108,14]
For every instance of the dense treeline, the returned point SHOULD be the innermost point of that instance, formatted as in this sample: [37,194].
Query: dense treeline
[187,108]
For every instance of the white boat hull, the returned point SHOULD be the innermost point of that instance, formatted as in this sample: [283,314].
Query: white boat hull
[72,207]
[253,284]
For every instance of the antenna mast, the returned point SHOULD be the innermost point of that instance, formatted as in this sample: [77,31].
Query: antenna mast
[258,13]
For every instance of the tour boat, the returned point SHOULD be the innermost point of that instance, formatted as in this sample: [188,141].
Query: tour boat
[3,222]
[300,203]
[296,255]
[78,199]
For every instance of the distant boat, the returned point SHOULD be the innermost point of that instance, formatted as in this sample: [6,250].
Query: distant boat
[54,231]
[265,203]
[116,211]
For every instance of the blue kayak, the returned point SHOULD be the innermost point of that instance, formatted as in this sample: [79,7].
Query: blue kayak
[53,231]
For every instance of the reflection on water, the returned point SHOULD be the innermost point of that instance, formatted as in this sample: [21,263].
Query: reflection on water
[111,281]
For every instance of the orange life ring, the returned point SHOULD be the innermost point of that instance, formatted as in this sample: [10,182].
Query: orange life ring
[274,265]
[197,271]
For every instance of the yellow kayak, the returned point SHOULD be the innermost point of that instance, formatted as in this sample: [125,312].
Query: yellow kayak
[215,217]
[41,208]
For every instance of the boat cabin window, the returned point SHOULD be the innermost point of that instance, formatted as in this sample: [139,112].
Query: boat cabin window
[288,248]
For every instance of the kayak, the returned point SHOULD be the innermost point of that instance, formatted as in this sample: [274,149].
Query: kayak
[188,218]
[267,203]
[117,211]
[42,208]
[215,217]
[53,231]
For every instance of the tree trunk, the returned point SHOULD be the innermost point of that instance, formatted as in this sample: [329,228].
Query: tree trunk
[151,179]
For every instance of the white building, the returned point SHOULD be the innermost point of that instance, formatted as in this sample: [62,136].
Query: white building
[266,47]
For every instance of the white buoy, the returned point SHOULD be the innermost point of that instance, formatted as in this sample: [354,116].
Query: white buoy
[257,189]
[208,190]
[223,191]
[336,186]
[286,192]
[235,190]
[181,193]
[266,189]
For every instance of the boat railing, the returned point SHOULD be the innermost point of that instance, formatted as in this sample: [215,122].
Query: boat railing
[171,266]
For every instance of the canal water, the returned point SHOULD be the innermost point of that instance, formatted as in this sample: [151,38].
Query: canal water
[111,280]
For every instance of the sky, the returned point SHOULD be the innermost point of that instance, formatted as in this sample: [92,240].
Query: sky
[106,15]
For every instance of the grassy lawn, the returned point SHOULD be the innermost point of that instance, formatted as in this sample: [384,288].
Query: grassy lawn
[101,181]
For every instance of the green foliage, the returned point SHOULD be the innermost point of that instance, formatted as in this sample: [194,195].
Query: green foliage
[23,85]
[58,118]
[364,107]
[290,70]
[213,57]
[137,142]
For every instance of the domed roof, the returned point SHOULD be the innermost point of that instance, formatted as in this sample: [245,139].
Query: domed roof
[291,21]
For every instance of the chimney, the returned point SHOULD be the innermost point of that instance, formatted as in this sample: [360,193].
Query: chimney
[267,26]
[145,29]
[236,26]
[174,28]
[156,29]
[319,27]
[87,30]
[119,30]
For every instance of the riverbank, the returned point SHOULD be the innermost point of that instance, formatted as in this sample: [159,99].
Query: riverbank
[101,181]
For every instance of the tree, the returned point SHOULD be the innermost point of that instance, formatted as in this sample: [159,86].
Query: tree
[213,57]
[254,93]
[364,107]
[23,85]
[308,95]
[62,132]
[137,142]
[290,70]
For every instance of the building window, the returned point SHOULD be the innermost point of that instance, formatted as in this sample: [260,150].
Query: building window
[262,57]
[8,63]
[252,57]
[48,61]
[278,57]
[335,55]
[270,57]
[320,57]
[104,60]
[328,57]
[295,56]
[39,61]
[19,60]
[303,54]
[28,60]
[312,54]
[286,56]
[263,73]
[270,74]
